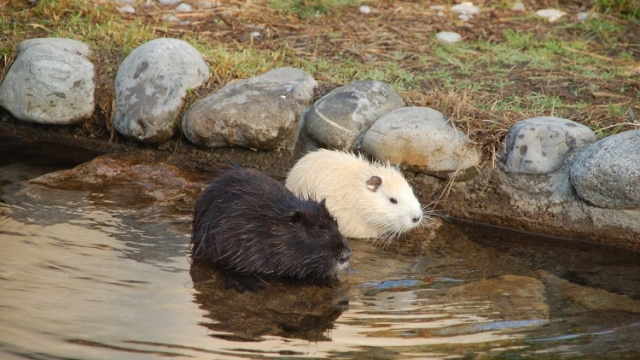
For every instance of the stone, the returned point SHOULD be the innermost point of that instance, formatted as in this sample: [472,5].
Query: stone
[551,14]
[364,9]
[519,297]
[50,82]
[465,8]
[171,18]
[591,298]
[209,4]
[339,118]
[127,9]
[258,113]
[148,181]
[184,8]
[606,173]
[448,37]
[518,6]
[540,145]
[150,86]
[422,139]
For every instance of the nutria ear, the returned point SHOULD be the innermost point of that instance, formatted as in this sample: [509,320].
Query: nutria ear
[292,216]
[374,183]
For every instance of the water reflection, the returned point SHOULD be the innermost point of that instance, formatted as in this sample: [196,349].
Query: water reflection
[84,276]
[287,309]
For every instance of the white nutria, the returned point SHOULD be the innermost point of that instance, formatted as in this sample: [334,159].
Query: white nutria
[369,200]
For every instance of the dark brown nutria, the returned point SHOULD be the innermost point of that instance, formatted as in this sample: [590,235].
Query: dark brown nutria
[252,228]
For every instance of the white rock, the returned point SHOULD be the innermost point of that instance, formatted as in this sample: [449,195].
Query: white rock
[150,86]
[437,7]
[466,8]
[583,16]
[260,113]
[606,173]
[254,34]
[50,82]
[540,145]
[184,8]
[551,14]
[208,4]
[169,2]
[127,9]
[365,9]
[422,139]
[171,18]
[518,7]
[464,17]
[448,37]
[340,117]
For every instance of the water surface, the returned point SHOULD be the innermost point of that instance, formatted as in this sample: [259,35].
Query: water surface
[86,275]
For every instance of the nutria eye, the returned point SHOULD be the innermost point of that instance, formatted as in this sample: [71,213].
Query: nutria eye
[393,200]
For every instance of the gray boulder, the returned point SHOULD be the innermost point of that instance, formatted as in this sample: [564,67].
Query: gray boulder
[50,82]
[607,173]
[340,117]
[540,145]
[423,140]
[259,113]
[150,86]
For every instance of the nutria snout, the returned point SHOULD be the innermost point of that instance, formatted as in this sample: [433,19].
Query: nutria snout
[254,229]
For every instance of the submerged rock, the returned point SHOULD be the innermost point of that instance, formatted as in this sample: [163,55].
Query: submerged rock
[150,86]
[259,113]
[50,82]
[338,119]
[147,181]
[540,145]
[423,140]
[591,298]
[607,173]
[519,297]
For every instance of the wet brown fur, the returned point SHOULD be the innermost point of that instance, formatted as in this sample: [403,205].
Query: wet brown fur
[252,227]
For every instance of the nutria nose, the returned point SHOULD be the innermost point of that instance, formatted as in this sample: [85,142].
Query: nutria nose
[344,256]
[416,219]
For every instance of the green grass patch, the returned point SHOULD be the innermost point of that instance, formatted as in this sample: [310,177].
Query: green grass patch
[626,9]
[305,9]
[80,20]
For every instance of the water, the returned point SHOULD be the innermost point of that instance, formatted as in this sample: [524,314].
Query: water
[100,272]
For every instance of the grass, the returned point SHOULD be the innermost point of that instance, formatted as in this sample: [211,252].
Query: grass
[628,9]
[509,66]
[310,8]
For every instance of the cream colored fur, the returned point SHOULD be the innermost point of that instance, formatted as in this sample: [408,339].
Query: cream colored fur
[341,179]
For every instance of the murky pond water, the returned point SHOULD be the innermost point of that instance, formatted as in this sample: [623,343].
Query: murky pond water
[93,274]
